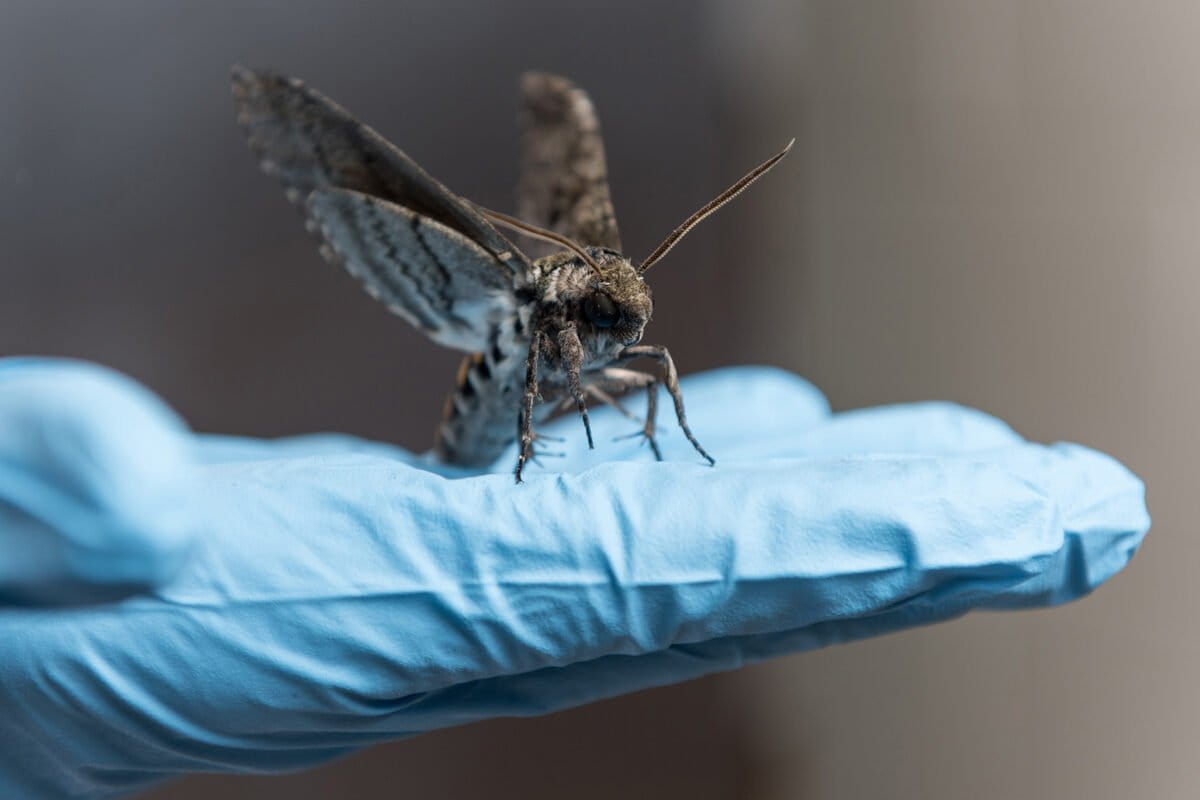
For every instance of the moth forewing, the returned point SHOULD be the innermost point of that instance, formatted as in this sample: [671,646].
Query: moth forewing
[537,333]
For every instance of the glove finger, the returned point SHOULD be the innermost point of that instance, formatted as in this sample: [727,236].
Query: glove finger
[220,449]
[779,402]
[923,428]
[1100,512]
[740,413]
[1104,518]
[92,485]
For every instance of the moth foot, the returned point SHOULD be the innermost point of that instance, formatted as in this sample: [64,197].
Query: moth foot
[533,454]
[536,454]
[647,434]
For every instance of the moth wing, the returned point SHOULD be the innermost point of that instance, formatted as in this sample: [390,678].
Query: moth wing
[309,142]
[441,281]
[564,177]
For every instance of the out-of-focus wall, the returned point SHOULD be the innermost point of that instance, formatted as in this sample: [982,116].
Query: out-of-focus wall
[998,203]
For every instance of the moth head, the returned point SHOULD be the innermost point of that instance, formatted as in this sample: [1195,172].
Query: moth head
[613,302]
[602,292]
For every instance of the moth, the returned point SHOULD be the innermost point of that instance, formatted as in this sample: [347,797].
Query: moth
[541,333]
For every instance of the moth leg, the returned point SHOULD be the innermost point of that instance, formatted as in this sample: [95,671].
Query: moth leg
[632,379]
[648,429]
[570,351]
[606,398]
[525,421]
[535,454]
[671,381]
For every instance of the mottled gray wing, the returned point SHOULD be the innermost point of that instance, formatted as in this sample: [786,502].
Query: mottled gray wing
[564,180]
[309,142]
[435,277]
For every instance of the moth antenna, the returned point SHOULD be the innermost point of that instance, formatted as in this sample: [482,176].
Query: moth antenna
[539,233]
[712,205]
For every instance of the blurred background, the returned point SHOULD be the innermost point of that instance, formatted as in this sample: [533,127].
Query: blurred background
[996,203]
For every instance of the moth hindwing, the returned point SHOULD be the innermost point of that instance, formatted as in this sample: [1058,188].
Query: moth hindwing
[540,334]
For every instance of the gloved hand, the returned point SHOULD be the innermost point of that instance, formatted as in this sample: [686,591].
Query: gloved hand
[287,602]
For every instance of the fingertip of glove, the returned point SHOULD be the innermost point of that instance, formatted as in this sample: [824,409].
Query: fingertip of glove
[1104,515]
[92,484]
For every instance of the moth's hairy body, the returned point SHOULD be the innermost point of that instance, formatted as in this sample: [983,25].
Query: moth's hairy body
[540,333]
[478,420]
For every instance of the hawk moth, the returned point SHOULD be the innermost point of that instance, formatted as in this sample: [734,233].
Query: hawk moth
[561,328]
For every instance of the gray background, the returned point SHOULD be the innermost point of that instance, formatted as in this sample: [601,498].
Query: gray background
[996,203]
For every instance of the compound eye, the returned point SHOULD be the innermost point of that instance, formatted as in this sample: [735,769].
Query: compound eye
[601,311]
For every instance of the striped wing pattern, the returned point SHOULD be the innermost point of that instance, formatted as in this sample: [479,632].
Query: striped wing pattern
[446,285]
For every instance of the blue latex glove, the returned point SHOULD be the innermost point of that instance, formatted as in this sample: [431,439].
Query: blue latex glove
[292,601]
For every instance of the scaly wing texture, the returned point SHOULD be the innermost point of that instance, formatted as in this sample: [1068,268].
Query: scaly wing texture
[309,142]
[439,280]
[564,179]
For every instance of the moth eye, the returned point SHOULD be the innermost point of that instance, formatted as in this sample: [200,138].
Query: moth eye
[601,311]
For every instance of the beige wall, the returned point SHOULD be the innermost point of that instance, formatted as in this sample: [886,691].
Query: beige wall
[996,203]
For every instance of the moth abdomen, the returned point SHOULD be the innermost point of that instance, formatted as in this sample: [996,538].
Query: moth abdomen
[477,419]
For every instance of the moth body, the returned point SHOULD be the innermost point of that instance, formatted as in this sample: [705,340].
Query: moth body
[539,332]
[477,422]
